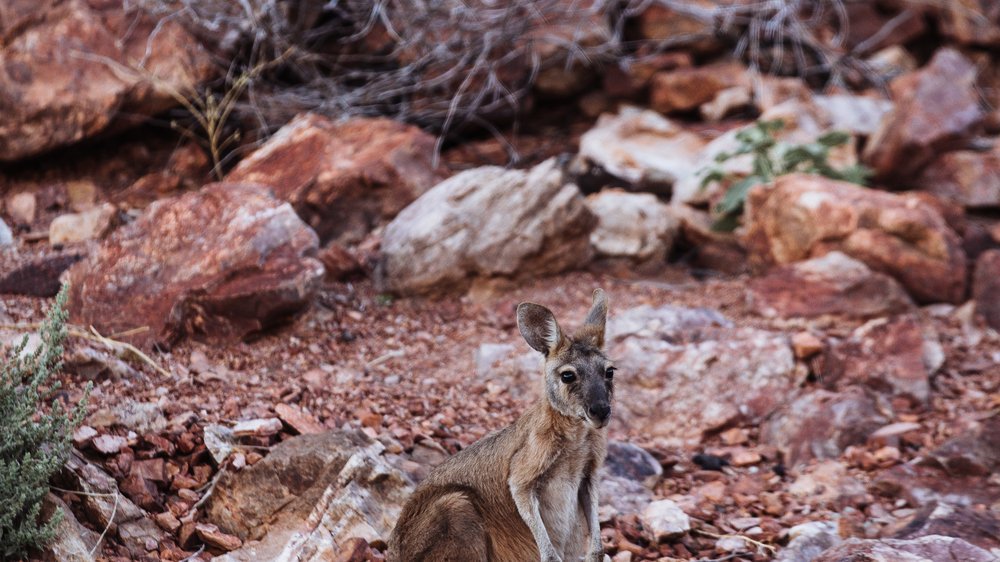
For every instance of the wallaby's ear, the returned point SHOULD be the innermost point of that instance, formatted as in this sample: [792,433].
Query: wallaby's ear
[593,326]
[539,327]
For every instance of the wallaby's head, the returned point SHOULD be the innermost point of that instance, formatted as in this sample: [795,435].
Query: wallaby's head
[578,376]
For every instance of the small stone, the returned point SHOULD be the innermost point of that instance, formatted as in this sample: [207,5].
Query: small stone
[83,436]
[731,544]
[744,457]
[734,436]
[6,235]
[21,207]
[805,345]
[109,444]
[80,227]
[298,420]
[215,538]
[665,520]
[260,427]
[887,456]
[623,556]
[167,521]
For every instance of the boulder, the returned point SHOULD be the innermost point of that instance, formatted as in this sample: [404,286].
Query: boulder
[74,72]
[923,481]
[343,178]
[803,216]
[487,222]
[308,497]
[682,366]
[225,261]
[641,148]
[937,109]
[932,548]
[896,356]
[685,89]
[834,284]
[72,541]
[634,226]
[986,287]
[966,178]
[821,424]
[625,460]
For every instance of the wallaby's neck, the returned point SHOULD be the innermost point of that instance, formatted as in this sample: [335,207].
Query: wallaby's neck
[555,423]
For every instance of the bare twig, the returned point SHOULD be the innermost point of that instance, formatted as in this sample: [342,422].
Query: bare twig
[741,537]
[114,511]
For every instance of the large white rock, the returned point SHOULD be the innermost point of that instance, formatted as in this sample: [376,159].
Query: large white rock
[632,225]
[641,147]
[487,222]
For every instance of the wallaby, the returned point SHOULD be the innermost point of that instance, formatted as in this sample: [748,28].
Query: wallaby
[528,492]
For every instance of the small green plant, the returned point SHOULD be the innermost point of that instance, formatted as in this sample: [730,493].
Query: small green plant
[771,159]
[35,430]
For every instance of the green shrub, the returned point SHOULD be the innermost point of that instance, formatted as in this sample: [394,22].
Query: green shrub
[772,159]
[35,431]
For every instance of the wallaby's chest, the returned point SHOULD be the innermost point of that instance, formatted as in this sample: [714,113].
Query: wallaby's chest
[559,494]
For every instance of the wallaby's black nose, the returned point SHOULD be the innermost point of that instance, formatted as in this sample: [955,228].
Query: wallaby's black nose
[600,412]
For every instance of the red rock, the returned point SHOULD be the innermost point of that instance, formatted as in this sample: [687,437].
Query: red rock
[981,528]
[805,216]
[57,87]
[260,427]
[975,452]
[832,284]
[888,356]
[686,89]
[660,23]
[805,345]
[167,522]
[925,548]
[986,287]
[215,538]
[339,262]
[343,178]
[971,22]
[937,109]
[152,469]
[225,261]
[822,424]
[967,178]
[354,550]
[298,420]
[141,491]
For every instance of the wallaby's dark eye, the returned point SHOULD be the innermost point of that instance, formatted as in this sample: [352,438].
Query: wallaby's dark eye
[568,376]
[609,373]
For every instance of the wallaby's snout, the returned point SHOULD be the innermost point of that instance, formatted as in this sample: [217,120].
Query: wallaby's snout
[600,413]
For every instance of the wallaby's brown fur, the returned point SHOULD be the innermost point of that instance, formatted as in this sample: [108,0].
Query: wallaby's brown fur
[528,492]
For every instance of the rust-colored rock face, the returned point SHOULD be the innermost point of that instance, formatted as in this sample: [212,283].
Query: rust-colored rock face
[937,108]
[223,262]
[343,178]
[803,216]
[66,70]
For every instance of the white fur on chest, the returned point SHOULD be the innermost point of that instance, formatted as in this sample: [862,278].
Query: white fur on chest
[562,513]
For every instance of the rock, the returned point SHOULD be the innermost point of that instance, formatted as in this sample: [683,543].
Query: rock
[625,460]
[681,365]
[216,539]
[6,235]
[263,427]
[302,422]
[727,102]
[72,542]
[925,549]
[685,89]
[487,222]
[343,178]
[339,262]
[827,484]
[821,424]
[311,494]
[975,452]
[507,368]
[83,435]
[619,496]
[665,520]
[556,43]
[690,26]
[809,540]
[806,345]
[641,148]
[109,444]
[636,226]
[710,249]
[67,76]
[937,109]
[226,261]
[986,287]
[964,177]
[979,528]
[971,22]
[834,284]
[21,207]
[924,480]
[167,522]
[858,115]
[895,356]
[39,277]
[82,226]
[803,216]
